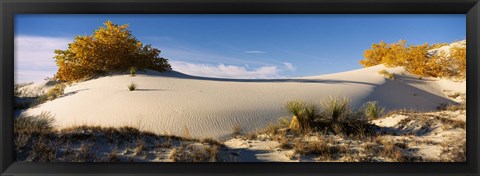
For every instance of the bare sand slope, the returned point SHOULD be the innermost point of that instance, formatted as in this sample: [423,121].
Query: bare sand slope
[211,107]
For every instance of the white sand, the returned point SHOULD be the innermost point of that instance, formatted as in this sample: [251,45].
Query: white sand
[208,107]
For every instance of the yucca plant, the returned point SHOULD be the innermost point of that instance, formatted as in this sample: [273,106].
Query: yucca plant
[296,108]
[335,109]
[372,110]
[310,114]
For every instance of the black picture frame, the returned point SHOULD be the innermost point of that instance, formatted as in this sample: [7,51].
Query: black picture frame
[9,8]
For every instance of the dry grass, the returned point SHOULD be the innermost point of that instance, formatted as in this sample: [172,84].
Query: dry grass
[42,123]
[37,140]
[237,130]
[196,153]
[319,148]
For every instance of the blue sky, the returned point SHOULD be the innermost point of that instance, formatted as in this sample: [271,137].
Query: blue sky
[237,46]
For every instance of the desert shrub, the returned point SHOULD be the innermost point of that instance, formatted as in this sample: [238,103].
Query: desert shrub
[387,74]
[458,55]
[133,71]
[417,59]
[109,48]
[132,86]
[34,124]
[374,56]
[372,110]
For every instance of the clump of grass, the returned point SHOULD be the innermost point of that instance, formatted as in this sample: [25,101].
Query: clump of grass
[133,71]
[132,86]
[237,130]
[56,91]
[196,153]
[320,148]
[335,109]
[387,74]
[284,122]
[53,93]
[34,124]
[372,110]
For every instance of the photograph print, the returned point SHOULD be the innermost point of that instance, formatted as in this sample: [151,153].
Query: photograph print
[240,88]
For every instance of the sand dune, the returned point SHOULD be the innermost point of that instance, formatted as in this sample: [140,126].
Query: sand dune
[210,107]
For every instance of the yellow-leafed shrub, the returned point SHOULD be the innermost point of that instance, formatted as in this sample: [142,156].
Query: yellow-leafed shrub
[110,48]
[417,60]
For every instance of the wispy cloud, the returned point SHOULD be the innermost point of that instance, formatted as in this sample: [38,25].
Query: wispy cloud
[289,66]
[190,54]
[34,56]
[226,71]
[255,52]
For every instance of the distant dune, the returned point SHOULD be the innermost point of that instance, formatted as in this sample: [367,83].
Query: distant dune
[211,107]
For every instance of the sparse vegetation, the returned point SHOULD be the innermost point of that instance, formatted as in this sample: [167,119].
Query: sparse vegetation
[193,153]
[335,109]
[39,124]
[237,130]
[372,110]
[36,139]
[387,74]
[133,71]
[132,86]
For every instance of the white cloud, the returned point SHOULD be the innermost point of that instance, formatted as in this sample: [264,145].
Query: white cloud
[289,66]
[34,57]
[225,71]
[255,52]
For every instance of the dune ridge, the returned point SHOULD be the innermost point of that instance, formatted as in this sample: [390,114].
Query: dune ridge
[172,102]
